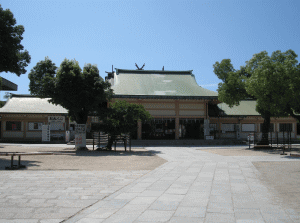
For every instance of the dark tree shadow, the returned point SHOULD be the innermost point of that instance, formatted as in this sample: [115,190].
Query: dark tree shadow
[7,163]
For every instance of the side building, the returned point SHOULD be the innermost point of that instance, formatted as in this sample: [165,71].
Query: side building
[22,117]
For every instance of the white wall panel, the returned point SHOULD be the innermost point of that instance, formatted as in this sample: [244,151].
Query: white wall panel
[34,134]
[191,106]
[159,105]
[248,127]
[162,112]
[10,134]
[191,113]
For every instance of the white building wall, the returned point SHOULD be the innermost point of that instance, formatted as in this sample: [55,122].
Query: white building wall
[34,134]
[12,134]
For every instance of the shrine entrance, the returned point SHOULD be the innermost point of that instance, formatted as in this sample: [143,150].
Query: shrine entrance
[191,128]
[159,129]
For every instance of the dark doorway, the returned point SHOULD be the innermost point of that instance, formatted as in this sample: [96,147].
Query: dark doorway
[191,129]
[159,129]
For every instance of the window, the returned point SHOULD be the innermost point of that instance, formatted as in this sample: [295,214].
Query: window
[13,126]
[271,129]
[285,127]
[35,126]
[248,127]
[228,127]
[54,126]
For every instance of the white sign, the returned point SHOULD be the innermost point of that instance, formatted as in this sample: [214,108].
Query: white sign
[67,136]
[80,128]
[80,136]
[251,137]
[206,127]
[80,140]
[46,133]
[56,119]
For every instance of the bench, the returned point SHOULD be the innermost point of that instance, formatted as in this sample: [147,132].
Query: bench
[123,139]
[102,138]
[19,154]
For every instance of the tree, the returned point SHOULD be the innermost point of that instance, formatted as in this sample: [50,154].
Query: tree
[273,81]
[81,92]
[12,57]
[122,117]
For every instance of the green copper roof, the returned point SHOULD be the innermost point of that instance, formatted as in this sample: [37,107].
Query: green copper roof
[245,108]
[158,84]
[26,104]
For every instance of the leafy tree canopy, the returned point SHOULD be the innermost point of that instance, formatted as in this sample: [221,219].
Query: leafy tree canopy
[273,81]
[81,92]
[12,57]
[122,117]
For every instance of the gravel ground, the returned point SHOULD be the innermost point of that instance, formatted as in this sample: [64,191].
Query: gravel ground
[137,159]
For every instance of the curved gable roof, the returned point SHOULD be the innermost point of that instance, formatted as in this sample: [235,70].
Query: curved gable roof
[158,83]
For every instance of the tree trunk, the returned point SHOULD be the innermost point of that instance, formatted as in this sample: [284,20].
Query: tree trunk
[110,142]
[81,118]
[265,129]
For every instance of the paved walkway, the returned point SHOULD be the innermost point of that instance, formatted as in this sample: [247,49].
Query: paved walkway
[193,186]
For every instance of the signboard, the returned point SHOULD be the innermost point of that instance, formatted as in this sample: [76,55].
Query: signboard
[67,136]
[206,127]
[60,119]
[46,133]
[80,135]
[251,137]
[80,128]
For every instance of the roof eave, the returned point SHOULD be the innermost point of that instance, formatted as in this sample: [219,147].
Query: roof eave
[185,72]
[166,97]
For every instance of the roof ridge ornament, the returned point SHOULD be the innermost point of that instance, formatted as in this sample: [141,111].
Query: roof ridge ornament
[138,66]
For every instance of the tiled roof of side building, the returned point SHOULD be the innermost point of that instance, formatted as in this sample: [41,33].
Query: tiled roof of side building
[27,104]
[158,84]
[246,107]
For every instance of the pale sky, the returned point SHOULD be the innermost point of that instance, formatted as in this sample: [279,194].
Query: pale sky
[179,35]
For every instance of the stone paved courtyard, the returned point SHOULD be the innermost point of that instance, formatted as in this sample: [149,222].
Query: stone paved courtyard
[197,184]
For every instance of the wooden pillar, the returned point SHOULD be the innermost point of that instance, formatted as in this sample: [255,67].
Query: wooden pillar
[24,128]
[176,119]
[177,128]
[139,133]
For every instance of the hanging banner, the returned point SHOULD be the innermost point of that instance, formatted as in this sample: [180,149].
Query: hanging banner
[206,127]
[45,133]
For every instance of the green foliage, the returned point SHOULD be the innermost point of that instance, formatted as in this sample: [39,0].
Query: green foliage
[80,92]
[12,57]
[232,90]
[122,117]
[2,103]
[272,80]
